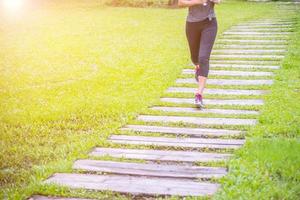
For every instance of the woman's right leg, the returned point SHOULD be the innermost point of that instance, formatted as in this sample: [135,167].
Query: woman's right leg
[193,34]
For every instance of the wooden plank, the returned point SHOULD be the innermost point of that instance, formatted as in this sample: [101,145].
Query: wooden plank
[160,155]
[178,139]
[231,73]
[217,91]
[274,29]
[267,23]
[155,170]
[134,185]
[249,51]
[227,81]
[204,110]
[182,131]
[240,73]
[178,142]
[274,20]
[242,61]
[251,46]
[257,37]
[245,66]
[253,41]
[266,28]
[262,26]
[197,120]
[240,102]
[255,33]
[39,197]
[260,57]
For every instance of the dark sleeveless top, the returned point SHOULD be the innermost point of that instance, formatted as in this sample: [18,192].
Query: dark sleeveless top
[200,12]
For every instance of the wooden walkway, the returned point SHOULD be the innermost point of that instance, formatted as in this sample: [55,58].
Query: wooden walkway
[245,56]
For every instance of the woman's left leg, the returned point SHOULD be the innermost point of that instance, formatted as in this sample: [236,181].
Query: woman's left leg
[208,37]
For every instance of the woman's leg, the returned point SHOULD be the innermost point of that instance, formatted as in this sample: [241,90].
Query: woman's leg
[208,37]
[193,34]
[201,84]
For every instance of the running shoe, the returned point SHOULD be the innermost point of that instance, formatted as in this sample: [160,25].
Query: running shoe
[199,101]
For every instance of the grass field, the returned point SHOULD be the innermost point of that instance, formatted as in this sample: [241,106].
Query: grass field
[70,76]
[268,166]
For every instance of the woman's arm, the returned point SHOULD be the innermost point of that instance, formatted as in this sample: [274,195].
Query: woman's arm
[216,1]
[188,3]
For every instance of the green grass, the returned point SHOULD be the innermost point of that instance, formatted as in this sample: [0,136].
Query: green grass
[264,169]
[268,166]
[136,3]
[72,75]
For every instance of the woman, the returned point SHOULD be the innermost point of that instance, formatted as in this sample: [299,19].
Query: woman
[201,31]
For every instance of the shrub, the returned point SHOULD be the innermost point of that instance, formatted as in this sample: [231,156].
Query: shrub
[137,3]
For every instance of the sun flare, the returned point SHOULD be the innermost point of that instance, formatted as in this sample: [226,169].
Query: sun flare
[12,5]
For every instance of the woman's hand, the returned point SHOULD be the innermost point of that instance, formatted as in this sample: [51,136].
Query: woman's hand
[202,1]
[187,3]
[216,1]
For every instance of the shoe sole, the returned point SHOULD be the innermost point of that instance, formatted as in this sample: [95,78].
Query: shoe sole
[198,105]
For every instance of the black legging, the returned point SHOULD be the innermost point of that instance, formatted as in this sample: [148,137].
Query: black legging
[201,37]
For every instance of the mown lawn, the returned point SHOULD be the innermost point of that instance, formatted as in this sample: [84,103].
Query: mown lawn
[72,75]
[268,166]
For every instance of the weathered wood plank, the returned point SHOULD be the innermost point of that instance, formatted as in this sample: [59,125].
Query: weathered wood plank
[240,73]
[227,81]
[241,102]
[245,66]
[217,91]
[182,131]
[257,37]
[241,41]
[249,51]
[230,73]
[39,197]
[134,185]
[263,26]
[156,170]
[261,57]
[197,110]
[262,29]
[178,142]
[255,33]
[267,23]
[251,46]
[197,120]
[160,155]
[246,62]
[280,21]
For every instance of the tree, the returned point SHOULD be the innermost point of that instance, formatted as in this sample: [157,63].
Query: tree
[173,2]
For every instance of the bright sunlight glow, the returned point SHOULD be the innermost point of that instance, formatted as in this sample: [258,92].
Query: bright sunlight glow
[12,5]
